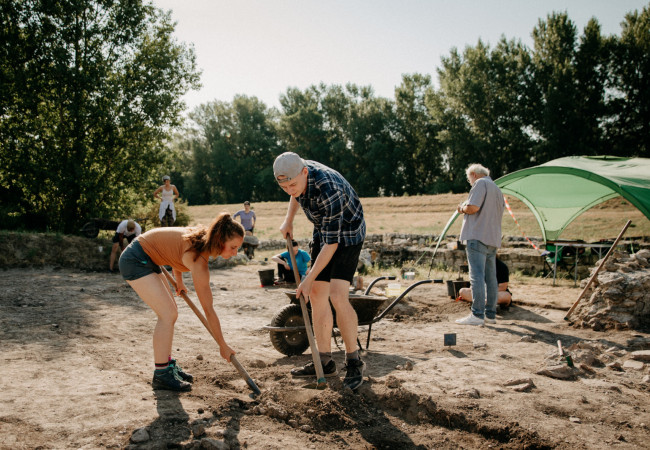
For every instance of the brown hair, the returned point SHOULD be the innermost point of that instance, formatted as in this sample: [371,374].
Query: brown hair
[222,228]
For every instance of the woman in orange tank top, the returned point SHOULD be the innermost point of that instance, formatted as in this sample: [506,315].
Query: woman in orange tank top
[185,250]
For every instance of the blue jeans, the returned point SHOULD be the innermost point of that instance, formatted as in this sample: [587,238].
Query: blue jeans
[483,276]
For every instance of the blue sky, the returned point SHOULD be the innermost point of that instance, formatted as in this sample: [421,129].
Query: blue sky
[261,47]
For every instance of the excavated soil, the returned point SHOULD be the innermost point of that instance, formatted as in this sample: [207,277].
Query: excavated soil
[78,363]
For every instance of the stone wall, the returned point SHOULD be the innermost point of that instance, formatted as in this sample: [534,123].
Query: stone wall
[399,249]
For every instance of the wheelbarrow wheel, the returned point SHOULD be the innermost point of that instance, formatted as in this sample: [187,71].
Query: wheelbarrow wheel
[289,342]
[90,230]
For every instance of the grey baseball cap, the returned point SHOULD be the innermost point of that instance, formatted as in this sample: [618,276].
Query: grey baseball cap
[287,166]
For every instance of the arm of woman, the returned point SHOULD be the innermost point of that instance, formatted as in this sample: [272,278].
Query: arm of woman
[156,192]
[176,194]
[180,286]
[201,278]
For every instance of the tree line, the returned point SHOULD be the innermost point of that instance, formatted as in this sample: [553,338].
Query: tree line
[91,114]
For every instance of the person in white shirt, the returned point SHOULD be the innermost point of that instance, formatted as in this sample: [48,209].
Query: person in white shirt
[167,193]
[128,229]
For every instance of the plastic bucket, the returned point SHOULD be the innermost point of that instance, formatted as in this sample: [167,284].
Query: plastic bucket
[393,290]
[266,276]
[458,285]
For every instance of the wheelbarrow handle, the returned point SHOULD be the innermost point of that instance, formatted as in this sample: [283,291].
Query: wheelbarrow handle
[399,297]
[372,283]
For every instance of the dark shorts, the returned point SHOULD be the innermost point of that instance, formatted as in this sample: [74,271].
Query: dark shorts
[135,263]
[116,238]
[343,264]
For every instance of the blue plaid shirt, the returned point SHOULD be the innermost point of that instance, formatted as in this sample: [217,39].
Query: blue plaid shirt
[332,205]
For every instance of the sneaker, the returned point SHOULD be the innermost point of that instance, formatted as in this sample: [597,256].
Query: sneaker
[309,370]
[470,320]
[354,375]
[180,372]
[167,379]
[492,321]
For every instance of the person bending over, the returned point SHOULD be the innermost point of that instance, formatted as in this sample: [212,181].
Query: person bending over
[128,229]
[185,250]
[332,205]
[504,296]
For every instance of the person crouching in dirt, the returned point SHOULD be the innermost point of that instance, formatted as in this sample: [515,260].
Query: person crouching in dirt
[332,205]
[167,193]
[128,229]
[504,296]
[185,250]
[285,268]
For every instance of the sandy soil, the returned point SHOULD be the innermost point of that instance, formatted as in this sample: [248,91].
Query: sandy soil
[78,364]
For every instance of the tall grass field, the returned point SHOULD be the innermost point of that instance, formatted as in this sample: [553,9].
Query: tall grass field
[428,214]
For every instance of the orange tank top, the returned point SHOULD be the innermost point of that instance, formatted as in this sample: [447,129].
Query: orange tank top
[166,246]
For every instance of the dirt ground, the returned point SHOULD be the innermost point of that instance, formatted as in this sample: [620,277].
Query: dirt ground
[76,348]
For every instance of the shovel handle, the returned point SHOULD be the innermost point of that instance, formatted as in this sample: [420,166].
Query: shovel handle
[204,321]
[320,373]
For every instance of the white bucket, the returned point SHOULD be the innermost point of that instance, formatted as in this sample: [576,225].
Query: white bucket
[409,275]
[393,290]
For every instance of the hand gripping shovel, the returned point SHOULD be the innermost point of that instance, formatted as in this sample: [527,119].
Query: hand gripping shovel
[320,374]
[233,359]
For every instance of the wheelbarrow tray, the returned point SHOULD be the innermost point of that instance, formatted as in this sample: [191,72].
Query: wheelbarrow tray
[366,306]
[287,329]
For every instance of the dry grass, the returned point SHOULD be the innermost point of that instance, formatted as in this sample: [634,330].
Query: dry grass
[428,214]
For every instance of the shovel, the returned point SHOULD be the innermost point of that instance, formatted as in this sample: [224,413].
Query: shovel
[320,374]
[233,359]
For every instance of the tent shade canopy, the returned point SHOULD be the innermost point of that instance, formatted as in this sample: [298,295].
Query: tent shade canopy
[560,190]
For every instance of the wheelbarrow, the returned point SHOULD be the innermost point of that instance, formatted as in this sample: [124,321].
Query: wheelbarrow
[287,329]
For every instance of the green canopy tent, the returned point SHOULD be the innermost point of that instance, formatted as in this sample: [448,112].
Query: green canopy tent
[560,190]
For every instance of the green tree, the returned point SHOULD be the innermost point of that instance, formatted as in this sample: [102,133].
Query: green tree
[568,107]
[90,91]
[417,149]
[232,150]
[481,111]
[373,165]
[629,127]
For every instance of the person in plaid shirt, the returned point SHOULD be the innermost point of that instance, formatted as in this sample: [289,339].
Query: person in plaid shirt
[332,205]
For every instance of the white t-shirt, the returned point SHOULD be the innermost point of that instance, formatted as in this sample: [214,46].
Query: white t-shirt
[121,228]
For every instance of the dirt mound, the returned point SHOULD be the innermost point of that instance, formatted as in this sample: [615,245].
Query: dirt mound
[77,346]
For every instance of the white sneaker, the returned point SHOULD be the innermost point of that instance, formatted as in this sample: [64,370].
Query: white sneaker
[492,321]
[470,320]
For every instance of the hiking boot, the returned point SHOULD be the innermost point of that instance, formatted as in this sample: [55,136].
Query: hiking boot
[309,370]
[180,372]
[354,375]
[470,320]
[168,380]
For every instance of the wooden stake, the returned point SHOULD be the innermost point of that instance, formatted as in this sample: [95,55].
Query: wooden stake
[600,266]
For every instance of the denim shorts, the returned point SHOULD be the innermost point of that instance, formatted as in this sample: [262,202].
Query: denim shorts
[135,263]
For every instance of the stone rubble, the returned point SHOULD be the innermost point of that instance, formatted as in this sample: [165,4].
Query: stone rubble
[619,297]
